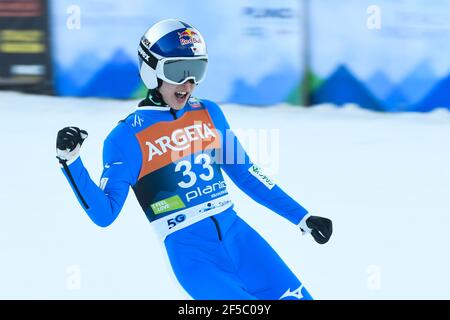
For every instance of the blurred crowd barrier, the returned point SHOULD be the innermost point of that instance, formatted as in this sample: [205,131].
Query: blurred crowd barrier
[392,56]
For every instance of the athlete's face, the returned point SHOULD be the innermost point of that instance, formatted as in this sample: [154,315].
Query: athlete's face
[176,95]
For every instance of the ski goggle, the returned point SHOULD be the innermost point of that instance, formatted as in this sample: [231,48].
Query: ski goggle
[179,70]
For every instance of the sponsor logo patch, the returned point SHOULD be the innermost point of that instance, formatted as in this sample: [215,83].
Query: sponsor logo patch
[194,102]
[168,204]
[143,55]
[257,172]
[189,36]
[296,294]
[167,142]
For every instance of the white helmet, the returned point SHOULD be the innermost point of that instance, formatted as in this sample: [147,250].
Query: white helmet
[172,51]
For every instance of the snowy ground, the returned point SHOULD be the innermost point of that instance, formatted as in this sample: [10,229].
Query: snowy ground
[384,179]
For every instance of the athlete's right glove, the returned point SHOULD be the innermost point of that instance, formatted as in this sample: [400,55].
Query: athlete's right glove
[319,227]
[68,144]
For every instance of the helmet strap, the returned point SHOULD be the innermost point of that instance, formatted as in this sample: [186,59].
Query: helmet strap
[153,98]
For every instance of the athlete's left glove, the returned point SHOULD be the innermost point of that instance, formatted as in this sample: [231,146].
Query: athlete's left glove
[320,228]
[68,143]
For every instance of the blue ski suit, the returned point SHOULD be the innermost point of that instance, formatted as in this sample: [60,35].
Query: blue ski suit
[173,160]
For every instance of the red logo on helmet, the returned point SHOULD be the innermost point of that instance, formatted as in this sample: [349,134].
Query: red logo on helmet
[189,36]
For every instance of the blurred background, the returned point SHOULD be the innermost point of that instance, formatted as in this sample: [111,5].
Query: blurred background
[382,55]
[349,102]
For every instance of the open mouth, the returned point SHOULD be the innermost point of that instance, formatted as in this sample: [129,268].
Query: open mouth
[181,95]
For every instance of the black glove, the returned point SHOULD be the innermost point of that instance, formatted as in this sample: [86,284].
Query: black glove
[68,143]
[320,228]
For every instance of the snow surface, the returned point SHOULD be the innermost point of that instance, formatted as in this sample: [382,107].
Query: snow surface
[384,180]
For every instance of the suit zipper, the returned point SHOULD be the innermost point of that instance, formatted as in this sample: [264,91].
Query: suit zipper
[219,233]
[216,223]
[72,181]
[172,112]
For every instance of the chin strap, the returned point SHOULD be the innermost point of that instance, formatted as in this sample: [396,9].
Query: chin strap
[153,99]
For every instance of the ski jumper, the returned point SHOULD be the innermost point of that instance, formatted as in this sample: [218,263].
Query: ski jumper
[173,160]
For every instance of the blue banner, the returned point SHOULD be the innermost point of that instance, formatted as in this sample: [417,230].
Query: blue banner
[254,47]
[392,56]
